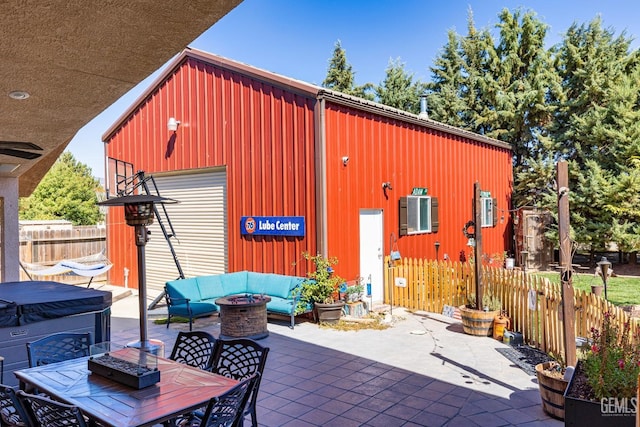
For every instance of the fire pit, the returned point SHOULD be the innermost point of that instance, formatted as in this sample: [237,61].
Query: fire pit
[243,316]
[138,375]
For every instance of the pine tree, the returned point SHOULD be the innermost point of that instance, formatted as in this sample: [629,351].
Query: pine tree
[398,89]
[341,77]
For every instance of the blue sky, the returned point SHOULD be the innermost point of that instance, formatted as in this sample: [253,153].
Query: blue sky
[296,38]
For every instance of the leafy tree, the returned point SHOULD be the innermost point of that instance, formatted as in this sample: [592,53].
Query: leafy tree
[398,89]
[68,191]
[341,77]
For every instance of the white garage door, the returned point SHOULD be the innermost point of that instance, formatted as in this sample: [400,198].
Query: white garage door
[200,224]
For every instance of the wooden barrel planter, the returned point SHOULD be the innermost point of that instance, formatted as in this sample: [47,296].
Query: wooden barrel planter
[477,322]
[551,390]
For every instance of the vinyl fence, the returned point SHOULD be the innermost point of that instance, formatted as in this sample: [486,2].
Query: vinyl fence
[533,304]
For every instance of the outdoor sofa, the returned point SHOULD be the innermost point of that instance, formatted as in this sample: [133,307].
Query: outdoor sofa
[195,296]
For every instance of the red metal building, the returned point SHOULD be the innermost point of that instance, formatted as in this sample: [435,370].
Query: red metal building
[251,143]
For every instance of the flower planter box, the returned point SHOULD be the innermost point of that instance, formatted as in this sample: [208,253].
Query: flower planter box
[581,412]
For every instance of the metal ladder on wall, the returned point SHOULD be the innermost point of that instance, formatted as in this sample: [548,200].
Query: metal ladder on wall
[148,185]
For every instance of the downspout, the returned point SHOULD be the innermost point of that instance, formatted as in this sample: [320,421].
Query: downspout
[321,177]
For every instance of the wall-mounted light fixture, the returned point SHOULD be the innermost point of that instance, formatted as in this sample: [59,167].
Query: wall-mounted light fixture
[387,186]
[345,160]
[172,124]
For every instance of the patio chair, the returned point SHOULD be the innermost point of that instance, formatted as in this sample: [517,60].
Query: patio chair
[225,410]
[194,348]
[58,347]
[12,413]
[44,412]
[240,359]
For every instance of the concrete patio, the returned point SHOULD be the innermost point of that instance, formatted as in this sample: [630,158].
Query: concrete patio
[421,371]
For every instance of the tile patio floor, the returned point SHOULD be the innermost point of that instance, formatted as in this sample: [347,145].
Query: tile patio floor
[422,371]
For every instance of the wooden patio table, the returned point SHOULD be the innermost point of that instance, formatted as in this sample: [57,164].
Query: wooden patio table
[181,389]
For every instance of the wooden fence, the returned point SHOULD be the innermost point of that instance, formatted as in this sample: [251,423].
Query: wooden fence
[46,247]
[533,303]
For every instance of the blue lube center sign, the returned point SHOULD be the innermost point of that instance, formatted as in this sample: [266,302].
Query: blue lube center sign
[272,225]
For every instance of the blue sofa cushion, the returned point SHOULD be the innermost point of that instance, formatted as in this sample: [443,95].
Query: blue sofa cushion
[277,285]
[234,283]
[210,287]
[197,309]
[256,283]
[184,288]
[280,305]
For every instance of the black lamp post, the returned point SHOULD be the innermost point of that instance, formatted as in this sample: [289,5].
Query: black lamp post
[604,265]
[138,213]
[437,243]
[525,258]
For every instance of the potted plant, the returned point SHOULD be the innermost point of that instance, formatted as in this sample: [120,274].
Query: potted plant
[320,289]
[354,293]
[603,388]
[552,385]
[478,320]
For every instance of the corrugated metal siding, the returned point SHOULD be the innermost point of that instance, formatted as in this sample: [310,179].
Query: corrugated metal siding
[382,149]
[200,224]
[262,134]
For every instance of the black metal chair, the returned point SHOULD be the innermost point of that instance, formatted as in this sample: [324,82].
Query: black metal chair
[226,410]
[58,347]
[12,413]
[44,412]
[241,358]
[194,348]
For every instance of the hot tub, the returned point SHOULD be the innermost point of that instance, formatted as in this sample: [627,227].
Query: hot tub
[33,309]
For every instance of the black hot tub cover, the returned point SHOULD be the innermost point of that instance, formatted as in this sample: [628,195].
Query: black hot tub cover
[35,301]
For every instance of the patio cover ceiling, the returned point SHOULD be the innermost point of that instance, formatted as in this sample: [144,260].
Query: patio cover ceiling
[74,58]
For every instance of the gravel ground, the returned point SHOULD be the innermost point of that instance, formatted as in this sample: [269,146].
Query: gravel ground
[525,357]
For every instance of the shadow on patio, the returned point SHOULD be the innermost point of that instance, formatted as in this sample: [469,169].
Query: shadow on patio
[418,372]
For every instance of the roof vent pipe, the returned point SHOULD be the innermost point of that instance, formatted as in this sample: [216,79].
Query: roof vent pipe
[423,107]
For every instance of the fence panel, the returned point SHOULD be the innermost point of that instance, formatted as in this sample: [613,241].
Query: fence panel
[46,247]
[533,303]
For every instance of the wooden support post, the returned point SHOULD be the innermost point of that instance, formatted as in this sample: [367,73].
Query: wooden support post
[568,308]
[477,249]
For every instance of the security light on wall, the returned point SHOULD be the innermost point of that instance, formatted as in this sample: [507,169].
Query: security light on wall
[172,124]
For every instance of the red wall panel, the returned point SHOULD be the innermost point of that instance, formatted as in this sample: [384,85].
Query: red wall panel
[408,155]
[261,133]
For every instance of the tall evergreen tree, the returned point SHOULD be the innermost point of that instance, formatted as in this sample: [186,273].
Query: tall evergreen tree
[445,89]
[398,88]
[68,191]
[341,77]
[596,127]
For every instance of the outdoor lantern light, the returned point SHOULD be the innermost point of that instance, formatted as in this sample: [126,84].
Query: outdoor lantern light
[437,244]
[604,265]
[172,124]
[138,213]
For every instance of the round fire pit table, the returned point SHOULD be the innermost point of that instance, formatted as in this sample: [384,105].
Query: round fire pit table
[243,316]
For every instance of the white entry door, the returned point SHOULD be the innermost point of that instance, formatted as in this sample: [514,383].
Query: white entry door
[372,252]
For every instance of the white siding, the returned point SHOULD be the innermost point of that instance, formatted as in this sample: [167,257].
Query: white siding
[200,224]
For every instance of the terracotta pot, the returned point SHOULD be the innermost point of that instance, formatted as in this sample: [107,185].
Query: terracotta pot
[597,290]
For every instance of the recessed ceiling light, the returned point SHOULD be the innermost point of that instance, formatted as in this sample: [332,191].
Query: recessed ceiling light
[18,94]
